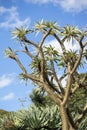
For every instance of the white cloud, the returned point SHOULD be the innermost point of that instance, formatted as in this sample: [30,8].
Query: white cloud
[68,45]
[6,80]
[54,44]
[38,1]
[67,5]
[8,96]
[12,18]
[74,5]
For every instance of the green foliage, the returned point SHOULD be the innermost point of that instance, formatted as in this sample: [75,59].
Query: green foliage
[35,65]
[7,122]
[44,65]
[2,112]
[71,31]
[8,52]
[39,118]
[40,98]
[44,114]
[78,100]
[42,25]
[51,54]
[83,124]
[20,32]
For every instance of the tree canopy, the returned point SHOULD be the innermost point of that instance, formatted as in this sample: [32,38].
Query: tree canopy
[46,61]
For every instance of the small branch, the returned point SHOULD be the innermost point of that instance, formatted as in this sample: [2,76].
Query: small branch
[56,78]
[75,88]
[77,62]
[61,43]
[63,40]
[51,94]
[42,64]
[68,86]
[27,52]
[56,98]
[79,40]
[31,77]
[62,77]
[30,42]
[82,115]
[44,37]
[84,44]
[41,54]
[79,85]
[80,55]
[54,87]
[83,79]
[71,119]
[14,57]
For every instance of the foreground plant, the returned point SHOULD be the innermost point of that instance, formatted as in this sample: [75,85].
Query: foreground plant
[46,62]
[7,122]
[43,118]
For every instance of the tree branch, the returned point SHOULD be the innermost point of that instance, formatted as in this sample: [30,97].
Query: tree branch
[27,52]
[84,44]
[56,78]
[80,84]
[62,77]
[82,115]
[77,62]
[33,78]
[71,119]
[63,40]
[44,37]
[41,54]
[68,86]
[14,57]
[31,42]
[54,87]
[51,94]
[80,40]
[75,88]
[61,43]
[80,54]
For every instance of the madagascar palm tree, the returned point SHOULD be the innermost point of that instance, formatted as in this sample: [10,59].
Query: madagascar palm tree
[46,62]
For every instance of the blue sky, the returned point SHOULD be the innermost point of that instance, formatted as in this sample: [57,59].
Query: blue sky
[27,12]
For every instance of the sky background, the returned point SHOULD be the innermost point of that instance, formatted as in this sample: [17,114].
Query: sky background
[16,13]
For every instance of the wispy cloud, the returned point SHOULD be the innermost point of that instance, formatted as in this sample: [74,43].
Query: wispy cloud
[8,96]
[67,5]
[74,5]
[39,1]
[12,18]
[6,80]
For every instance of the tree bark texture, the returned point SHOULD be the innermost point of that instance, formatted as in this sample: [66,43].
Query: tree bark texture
[66,124]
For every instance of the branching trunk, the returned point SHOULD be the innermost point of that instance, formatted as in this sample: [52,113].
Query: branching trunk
[64,118]
[52,63]
[66,123]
